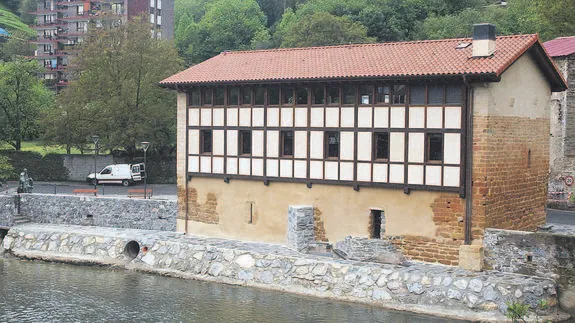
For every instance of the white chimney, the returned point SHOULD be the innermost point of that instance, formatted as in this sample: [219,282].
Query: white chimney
[483,40]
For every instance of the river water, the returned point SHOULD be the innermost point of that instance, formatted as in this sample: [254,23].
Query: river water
[41,292]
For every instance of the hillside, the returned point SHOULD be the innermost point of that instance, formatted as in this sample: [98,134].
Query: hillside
[13,23]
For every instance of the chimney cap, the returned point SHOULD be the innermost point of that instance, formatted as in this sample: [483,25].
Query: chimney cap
[484,31]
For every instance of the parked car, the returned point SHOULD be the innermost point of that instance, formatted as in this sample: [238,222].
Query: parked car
[125,174]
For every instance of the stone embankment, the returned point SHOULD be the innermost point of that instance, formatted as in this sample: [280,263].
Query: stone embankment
[424,288]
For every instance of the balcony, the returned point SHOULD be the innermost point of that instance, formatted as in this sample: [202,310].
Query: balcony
[47,25]
[45,12]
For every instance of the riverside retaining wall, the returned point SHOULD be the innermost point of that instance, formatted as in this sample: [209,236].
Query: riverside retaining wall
[91,210]
[424,288]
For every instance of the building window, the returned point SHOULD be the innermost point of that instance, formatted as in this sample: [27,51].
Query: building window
[245,142]
[260,96]
[287,143]
[234,96]
[434,147]
[301,96]
[333,95]
[219,95]
[435,95]
[332,144]
[417,95]
[381,145]
[207,96]
[376,224]
[453,95]
[195,98]
[246,95]
[383,94]
[318,95]
[287,94]
[349,94]
[206,142]
[274,95]
[365,94]
[399,92]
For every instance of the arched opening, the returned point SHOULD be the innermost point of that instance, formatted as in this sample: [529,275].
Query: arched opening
[132,249]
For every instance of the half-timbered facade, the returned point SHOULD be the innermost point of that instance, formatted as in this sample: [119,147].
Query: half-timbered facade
[417,140]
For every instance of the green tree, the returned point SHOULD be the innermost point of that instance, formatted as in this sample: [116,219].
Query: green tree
[26,7]
[325,29]
[114,92]
[22,98]
[556,17]
[17,45]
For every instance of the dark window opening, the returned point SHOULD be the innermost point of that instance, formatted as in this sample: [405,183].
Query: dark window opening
[206,142]
[246,95]
[332,144]
[417,95]
[529,158]
[348,94]
[376,223]
[274,95]
[287,94]
[234,96]
[434,147]
[106,171]
[318,95]
[195,98]
[435,95]
[301,95]
[287,143]
[381,143]
[399,92]
[207,96]
[260,96]
[366,94]
[453,94]
[333,95]
[245,142]
[383,94]
[219,95]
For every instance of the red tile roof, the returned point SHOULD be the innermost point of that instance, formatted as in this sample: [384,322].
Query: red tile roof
[384,60]
[561,46]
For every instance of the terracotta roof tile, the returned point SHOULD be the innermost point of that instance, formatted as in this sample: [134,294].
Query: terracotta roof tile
[561,46]
[401,59]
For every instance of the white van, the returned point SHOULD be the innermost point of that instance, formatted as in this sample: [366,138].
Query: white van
[124,174]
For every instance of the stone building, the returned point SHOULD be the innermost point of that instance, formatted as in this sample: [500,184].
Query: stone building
[427,142]
[562,149]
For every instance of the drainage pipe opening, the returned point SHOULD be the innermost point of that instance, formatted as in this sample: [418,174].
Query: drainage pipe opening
[132,249]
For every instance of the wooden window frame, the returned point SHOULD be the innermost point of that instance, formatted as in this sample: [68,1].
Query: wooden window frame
[283,134]
[428,148]
[339,95]
[229,94]
[326,155]
[254,91]
[323,88]
[211,96]
[214,96]
[202,138]
[251,92]
[383,85]
[374,144]
[241,136]
[359,103]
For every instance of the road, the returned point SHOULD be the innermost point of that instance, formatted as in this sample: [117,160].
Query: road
[560,217]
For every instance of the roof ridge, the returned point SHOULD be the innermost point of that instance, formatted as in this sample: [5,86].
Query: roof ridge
[391,43]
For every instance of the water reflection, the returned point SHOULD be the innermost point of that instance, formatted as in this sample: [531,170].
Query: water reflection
[36,291]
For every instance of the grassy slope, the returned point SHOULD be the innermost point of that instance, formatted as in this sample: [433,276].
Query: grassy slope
[12,22]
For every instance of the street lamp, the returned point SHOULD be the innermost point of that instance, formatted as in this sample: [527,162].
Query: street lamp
[145,146]
[95,140]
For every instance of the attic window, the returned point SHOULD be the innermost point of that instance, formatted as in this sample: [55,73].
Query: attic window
[462,45]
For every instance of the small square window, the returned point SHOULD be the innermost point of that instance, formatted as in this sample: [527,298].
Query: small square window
[234,96]
[246,95]
[417,95]
[318,95]
[274,95]
[366,94]
[332,144]
[333,95]
[399,94]
[260,96]
[381,145]
[206,142]
[435,95]
[383,94]
[287,143]
[348,94]
[453,95]
[245,142]
[287,94]
[207,93]
[195,98]
[434,147]
[219,95]
[301,95]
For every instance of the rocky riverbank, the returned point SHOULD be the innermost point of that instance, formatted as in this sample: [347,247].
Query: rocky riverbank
[424,288]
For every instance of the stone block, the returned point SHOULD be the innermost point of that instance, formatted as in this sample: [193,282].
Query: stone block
[471,257]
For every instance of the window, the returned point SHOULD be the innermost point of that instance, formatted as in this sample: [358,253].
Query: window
[348,94]
[245,142]
[381,145]
[106,171]
[333,95]
[246,95]
[287,94]
[195,98]
[207,96]
[219,95]
[434,147]
[332,144]
[260,96]
[287,143]
[383,94]
[453,94]
[417,95]
[234,96]
[274,95]
[376,224]
[435,95]
[206,142]
[365,94]
[301,95]
[399,94]
[318,95]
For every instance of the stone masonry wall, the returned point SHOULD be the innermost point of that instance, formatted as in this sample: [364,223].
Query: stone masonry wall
[92,211]
[300,227]
[423,288]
